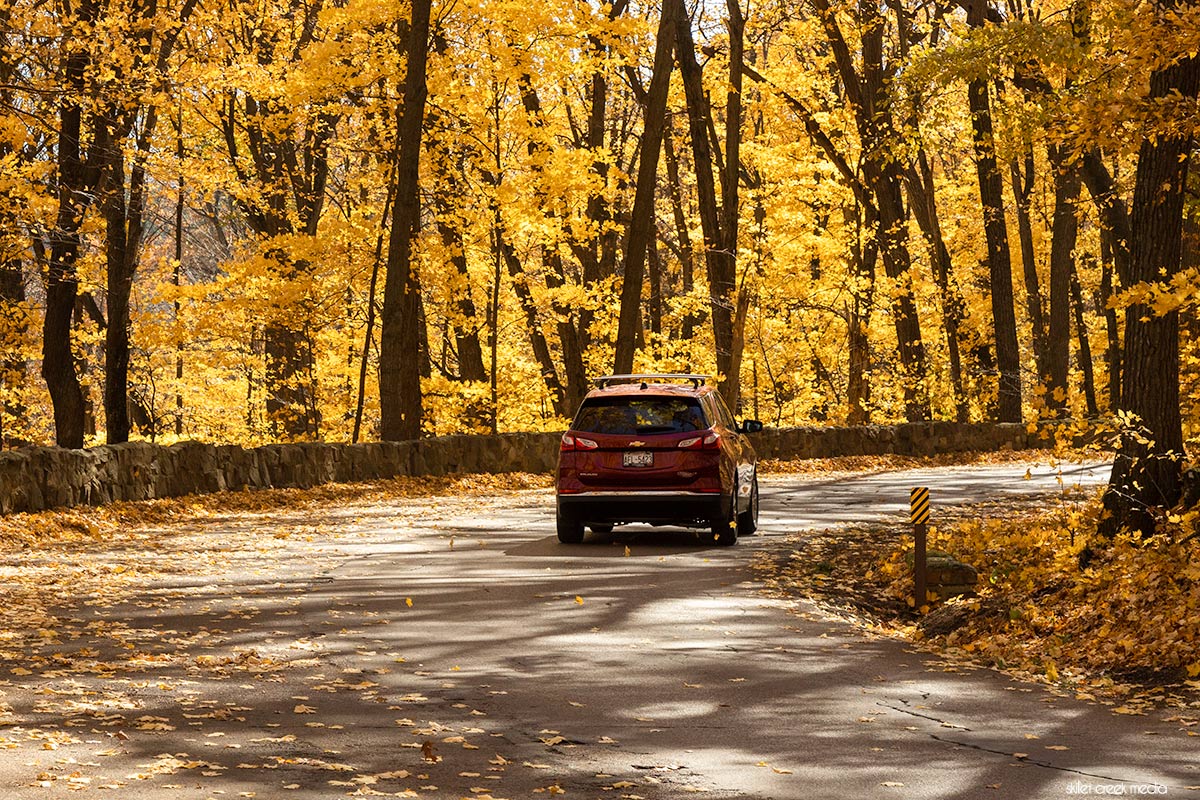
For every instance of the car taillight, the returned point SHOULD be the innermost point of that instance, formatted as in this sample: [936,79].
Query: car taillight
[710,441]
[570,442]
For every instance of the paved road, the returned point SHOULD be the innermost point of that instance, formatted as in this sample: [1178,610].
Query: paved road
[452,648]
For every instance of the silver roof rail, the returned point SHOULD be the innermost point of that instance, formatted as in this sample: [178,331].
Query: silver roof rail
[696,380]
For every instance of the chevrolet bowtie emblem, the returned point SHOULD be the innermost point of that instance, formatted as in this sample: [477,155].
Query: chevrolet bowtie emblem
[637,444]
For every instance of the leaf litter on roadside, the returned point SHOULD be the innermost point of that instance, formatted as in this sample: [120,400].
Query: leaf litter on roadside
[1045,584]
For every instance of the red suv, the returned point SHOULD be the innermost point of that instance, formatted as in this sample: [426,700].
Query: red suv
[662,449]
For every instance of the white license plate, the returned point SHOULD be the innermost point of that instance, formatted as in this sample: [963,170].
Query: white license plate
[637,458]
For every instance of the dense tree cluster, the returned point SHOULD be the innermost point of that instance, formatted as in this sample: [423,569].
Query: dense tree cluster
[343,219]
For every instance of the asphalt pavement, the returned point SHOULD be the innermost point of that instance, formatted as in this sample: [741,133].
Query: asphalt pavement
[451,647]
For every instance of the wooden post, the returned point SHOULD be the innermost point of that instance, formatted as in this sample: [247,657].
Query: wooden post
[919,508]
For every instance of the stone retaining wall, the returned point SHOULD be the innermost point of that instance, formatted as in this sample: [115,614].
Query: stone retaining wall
[34,479]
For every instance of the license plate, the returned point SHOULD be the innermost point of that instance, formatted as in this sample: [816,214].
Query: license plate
[637,458]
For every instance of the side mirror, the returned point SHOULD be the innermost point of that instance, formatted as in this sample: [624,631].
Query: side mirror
[750,426]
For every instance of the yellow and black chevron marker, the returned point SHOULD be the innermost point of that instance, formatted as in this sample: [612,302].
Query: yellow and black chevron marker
[920,505]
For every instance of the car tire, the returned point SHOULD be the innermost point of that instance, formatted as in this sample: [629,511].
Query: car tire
[602,528]
[724,527]
[570,529]
[747,521]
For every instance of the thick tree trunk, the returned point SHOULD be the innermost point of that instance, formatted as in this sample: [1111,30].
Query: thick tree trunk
[399,336]
[725,284]
[119,284]
[991,193]
[641,227]
[124,207]
[76,190]
[1147,472]
[719,224]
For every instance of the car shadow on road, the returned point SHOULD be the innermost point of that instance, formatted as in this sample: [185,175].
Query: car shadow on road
[641,542]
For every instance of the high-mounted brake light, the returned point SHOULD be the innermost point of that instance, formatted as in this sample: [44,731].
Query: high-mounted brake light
[709,441]
[570,442]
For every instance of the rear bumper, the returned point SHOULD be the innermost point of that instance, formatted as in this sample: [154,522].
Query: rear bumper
[667,507]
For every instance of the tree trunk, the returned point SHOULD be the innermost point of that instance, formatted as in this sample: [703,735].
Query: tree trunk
[14,328]
[119,284]
[923,202]
[598,255]
[718,225]
[1022,185]
[76,184]
[641,228]
[124,207]
[991,193]
[858,385]
[1115,238]
[399,336]
[1065,230]
[656,287]
[466,331]
[868,96]
[686,253]
[1146,475]
[725,283]
[507,257]
[1112,349]
[1085,346]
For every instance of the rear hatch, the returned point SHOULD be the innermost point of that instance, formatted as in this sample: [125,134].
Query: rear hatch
[643,442]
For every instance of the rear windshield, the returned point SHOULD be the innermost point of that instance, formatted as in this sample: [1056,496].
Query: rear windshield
[639,416]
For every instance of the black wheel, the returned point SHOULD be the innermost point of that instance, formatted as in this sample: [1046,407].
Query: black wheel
[747,521]
[725,528]
[605,527]
[570,529]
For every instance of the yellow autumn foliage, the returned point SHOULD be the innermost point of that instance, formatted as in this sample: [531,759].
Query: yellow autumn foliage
[1051,592]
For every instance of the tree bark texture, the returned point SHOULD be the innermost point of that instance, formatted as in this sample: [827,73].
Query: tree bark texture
[1147,472]
[717,223]
[991,194]
[1022,185]
[399,336]
[923,203]
[1064,232]
[76,183]
[642,227]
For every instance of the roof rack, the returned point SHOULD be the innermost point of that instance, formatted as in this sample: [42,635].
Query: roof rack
[696,380]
